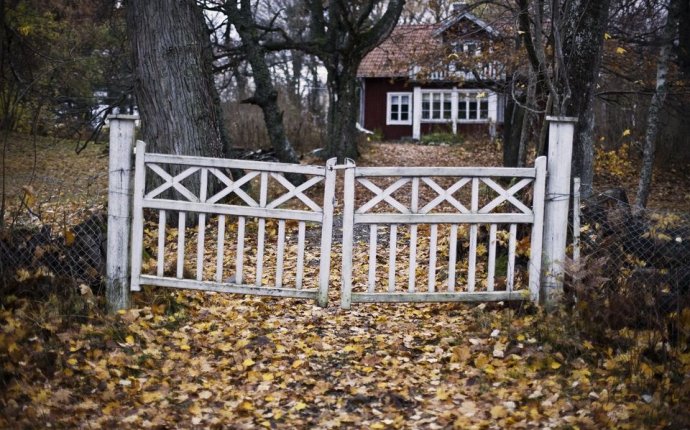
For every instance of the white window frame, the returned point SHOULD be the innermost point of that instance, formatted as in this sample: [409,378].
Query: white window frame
[465,96]
[389,110]
[445,96]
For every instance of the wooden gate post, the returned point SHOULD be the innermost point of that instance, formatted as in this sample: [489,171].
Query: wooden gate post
[561,130]
[119,210]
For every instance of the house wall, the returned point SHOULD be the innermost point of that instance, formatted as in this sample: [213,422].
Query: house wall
[375,91]
[374,103]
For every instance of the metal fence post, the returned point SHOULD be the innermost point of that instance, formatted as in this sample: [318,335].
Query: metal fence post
[119,210]
[561,130]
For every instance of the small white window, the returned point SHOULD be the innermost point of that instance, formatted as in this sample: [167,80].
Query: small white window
[473,106]
[436,106]
[399,109]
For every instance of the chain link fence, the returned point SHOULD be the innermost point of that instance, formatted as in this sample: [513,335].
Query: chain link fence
[630,288]
[54,221]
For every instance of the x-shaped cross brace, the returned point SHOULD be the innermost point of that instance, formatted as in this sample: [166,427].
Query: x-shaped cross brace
[233,187]
[382,195]
[295,192]
[504,195]
[173,182]
[446,195]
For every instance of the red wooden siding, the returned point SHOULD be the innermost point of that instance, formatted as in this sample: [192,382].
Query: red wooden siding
[375,91]
[375,99]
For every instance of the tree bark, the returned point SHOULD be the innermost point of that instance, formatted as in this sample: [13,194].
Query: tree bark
[512,130]
[655,107]
[174,86]
[527,119]
[342,114]
[584,24]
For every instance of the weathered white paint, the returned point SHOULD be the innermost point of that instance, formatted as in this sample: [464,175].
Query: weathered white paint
[119,191]
[493,107]
[536,244]
[262,210]
[556,208]
[394,212]
[452,256]
[348,225]
[137,221]
[327,231]
[299,276]
[416,112]
[491,265]
[371,284]
[454,110]
[393,245]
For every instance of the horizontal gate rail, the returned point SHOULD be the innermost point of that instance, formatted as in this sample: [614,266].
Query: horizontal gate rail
[397,205]
[185,187]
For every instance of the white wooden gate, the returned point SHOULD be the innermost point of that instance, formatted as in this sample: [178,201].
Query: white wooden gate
[221,200]
[455,197]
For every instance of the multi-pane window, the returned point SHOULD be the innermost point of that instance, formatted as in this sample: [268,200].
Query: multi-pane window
[473,106]
[436,106]
[399,108]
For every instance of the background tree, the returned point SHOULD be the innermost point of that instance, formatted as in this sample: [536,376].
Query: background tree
[670,32]
[340,34]
[564,41]
[265,94]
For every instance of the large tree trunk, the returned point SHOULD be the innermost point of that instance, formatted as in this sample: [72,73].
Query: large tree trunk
[176,94]
[584,24]
[342,113]
[655,107]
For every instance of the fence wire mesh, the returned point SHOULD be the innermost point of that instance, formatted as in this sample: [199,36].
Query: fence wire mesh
[631,285]
[54,220]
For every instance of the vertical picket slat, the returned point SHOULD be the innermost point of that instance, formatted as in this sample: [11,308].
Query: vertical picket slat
[180,244]
[160,259]
[280,254]
[413,237]
[472,265]
[536,244]
[299,277]
[263,197]
[491,275]
[393,245]
[432,257]
[137,233]
[510,275]
[239,258]
[373,232]
[348,225]
[452,256]
[327,231]
[201,234]
[220,253]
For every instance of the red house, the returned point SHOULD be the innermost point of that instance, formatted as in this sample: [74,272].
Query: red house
[434,77]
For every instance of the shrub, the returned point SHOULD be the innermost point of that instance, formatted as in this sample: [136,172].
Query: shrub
[438,138]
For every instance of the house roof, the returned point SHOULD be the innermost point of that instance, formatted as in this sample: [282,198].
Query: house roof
[394,56]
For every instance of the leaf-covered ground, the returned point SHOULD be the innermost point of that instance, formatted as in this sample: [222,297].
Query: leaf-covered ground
[211,360]
[203,360]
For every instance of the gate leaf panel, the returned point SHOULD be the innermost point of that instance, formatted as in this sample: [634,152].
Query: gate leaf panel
[245,209]
[430,216]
